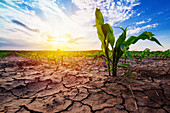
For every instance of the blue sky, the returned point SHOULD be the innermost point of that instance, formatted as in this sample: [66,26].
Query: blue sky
[68,24]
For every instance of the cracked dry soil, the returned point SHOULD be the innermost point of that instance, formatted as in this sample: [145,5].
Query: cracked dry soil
[29,86]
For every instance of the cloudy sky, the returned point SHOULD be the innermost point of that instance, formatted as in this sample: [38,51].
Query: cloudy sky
[68,24]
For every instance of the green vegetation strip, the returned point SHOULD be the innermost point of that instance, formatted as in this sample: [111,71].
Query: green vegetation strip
[3,54]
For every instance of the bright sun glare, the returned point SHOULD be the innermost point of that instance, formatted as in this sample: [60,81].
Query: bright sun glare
[60,41]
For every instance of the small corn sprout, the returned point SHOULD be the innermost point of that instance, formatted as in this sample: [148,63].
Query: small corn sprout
[106,36]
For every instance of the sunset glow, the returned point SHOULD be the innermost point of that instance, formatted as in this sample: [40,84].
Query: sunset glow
[29,24]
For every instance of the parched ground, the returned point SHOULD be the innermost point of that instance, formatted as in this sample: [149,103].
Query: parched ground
[39,87]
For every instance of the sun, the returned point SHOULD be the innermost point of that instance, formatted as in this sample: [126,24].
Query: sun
[58,42]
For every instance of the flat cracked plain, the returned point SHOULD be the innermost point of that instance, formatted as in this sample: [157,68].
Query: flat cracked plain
[29,86]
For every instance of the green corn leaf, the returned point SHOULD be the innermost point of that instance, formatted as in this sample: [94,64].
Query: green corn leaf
[121,38]
[155,40]
[108,33]
[99,17]
[124,64]
[145,35]
[111,39]
[99,20]
[129,55]
[110,54]
[95,57]
[103,48]
[97,25]
[124,49]
[100,34]
[107,43]
[143,54]
[129,41]
[128,71]
[118,52]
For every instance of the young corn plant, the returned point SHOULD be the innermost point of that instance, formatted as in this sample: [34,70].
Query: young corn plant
[144,53]
[147,50]
[116,50]
[142,56]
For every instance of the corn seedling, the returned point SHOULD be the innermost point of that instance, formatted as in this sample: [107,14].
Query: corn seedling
[147,51]
[144,53]
[106,36]
[142,56]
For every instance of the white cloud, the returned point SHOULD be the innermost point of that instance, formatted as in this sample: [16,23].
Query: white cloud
[134,30]
[148,20]
[143,21]
[138,14]
[113,11]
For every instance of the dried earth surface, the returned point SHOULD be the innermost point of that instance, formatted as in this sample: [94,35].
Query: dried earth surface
[30,86]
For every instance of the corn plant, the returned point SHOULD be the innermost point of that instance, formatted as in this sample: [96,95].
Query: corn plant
[144,53]
[106,36]
[142,56]
[147,51]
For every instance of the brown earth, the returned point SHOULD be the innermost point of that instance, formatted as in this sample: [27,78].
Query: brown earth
[27,85]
